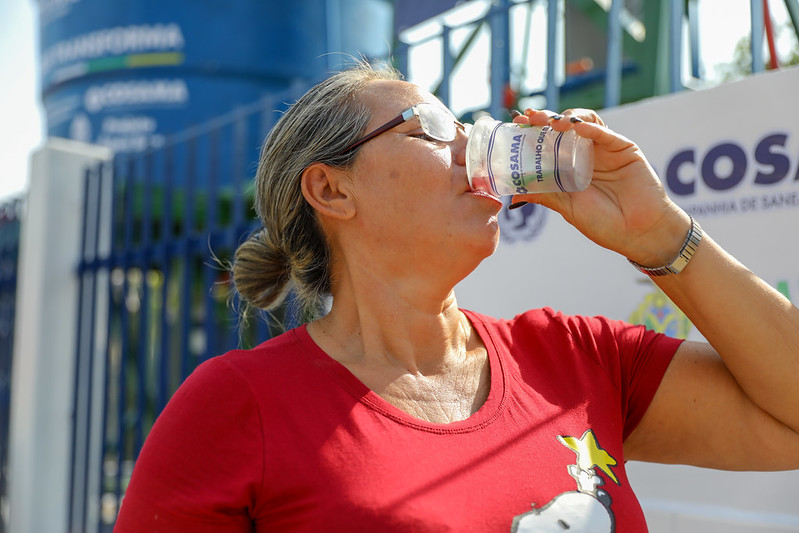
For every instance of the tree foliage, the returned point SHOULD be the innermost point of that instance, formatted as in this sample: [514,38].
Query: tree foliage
[741,64]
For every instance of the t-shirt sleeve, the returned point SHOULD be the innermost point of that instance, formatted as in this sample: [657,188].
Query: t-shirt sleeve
[632,357]
[635,358]
[201,467]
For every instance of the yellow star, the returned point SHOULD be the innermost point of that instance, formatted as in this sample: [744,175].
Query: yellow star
[590,454]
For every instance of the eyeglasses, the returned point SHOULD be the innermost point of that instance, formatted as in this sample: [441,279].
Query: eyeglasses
[436,121]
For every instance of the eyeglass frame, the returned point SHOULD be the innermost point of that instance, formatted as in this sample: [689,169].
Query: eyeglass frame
[403,117]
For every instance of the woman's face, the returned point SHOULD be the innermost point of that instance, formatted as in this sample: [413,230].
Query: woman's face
[412,192]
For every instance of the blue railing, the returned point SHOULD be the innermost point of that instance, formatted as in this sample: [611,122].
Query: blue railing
[155,299]
[10,216]
[663,27]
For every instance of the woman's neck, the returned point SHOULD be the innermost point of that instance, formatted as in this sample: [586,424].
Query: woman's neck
[428,362]
[394,326]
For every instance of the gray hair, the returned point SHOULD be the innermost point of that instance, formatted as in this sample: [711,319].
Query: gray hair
[291,250]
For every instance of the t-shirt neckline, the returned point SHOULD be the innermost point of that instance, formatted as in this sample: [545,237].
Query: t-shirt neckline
[486,414]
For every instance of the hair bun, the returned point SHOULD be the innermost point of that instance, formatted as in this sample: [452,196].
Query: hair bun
[261,271]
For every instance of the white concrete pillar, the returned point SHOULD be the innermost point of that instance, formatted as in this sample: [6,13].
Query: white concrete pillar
[45,337]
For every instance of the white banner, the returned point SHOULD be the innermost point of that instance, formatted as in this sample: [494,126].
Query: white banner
[728,155]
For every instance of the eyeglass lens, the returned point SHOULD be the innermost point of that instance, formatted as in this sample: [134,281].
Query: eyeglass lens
[436,122]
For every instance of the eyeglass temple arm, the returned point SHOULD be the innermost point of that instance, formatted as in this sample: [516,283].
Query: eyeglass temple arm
[399,119]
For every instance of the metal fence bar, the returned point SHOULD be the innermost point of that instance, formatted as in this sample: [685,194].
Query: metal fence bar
[185,254]
[143,311]
[212,198]
[614,55]
[401,56]
[675,45]
[448,64]
[77,506]
[552,91]
[107,350]
[165,259]
[96,343]
[756,42]
[240,133]
[124,254]
[693,32]
[84,362]
[500,54]
[237,227]
[792,6]
[10,214]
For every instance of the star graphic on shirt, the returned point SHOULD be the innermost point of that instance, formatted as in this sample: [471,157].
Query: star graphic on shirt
[590,454]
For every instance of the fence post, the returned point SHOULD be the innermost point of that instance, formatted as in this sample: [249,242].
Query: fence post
[45,336]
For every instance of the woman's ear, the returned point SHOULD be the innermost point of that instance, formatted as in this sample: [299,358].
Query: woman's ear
[327,190]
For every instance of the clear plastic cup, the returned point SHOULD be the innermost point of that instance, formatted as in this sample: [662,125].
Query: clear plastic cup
[504,159]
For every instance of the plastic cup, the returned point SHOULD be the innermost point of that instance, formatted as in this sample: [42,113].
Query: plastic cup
[504,159]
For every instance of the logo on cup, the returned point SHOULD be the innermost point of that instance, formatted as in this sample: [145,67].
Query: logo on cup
[514,165]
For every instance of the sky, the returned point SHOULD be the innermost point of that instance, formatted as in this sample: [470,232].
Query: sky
[21,124]
[21,114]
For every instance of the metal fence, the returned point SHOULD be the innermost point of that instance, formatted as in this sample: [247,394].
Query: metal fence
[635,65]
[10,216]
[155,297]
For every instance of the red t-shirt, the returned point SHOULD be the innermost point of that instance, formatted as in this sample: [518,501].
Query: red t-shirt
[284,438]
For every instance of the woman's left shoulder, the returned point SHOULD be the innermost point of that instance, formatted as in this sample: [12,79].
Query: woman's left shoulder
[537,318]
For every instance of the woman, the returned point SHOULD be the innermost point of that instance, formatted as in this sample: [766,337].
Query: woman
[397,411]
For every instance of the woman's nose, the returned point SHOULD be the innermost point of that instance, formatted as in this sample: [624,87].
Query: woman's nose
[459,145]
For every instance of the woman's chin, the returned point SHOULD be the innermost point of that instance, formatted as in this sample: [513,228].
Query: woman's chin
[486,247]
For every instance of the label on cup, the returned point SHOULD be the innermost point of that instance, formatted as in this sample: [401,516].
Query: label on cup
[525,182]
[506,159]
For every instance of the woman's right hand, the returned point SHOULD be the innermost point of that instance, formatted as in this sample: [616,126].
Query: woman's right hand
[625,208]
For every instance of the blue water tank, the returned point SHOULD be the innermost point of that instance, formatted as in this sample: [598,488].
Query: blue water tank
[127,73]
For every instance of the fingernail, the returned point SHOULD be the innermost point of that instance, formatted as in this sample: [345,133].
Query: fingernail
[514,113]
[556,117]
[575,120]
[516,205]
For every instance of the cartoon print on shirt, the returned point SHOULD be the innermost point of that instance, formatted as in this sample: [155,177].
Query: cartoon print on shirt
[586,510]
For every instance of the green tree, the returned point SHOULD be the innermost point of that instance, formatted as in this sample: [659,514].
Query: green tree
[741,64]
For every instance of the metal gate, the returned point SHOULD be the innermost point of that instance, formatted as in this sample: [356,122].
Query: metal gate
[155,299]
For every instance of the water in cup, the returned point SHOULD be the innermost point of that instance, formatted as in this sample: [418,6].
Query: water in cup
[504,159]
